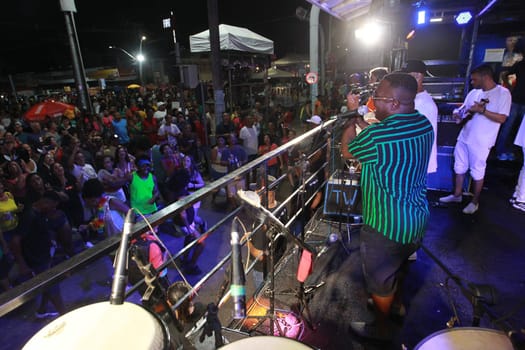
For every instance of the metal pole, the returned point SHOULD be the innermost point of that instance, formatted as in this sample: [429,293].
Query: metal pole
[68,7]
[314,51]
[471,55]
[213,22]
[178,62]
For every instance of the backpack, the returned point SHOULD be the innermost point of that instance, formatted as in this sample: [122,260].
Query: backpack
[140,248]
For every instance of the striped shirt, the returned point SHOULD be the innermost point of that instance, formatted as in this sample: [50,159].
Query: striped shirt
[394,156]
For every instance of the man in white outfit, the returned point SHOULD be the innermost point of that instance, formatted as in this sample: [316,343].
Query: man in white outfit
[489,105]
[425,105]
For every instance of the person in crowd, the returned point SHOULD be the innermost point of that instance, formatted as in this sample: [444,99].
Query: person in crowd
[150,126]
[25,156]
[144,250]
[187,221]
[9,210]
[187,314]
[272,163]
[219,158]
[169,132]
[113,179]
[226,126]
[82,171]
[388,239]
[45,165]
[478,135]
[15,181]
[135,126]
[170,162]
[35,188]
[196,182]
[68,188]
[249,136]
[107,213]
[143,189]
[504,148]
[67,129]
[120,128]
[124,161]
[34,245]
[6,262]
[425,105]
[189,142]
[161,112]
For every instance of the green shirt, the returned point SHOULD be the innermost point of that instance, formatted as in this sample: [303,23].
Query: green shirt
[394,156]
[140,192]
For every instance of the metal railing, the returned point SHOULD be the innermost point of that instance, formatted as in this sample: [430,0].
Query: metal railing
[24,292]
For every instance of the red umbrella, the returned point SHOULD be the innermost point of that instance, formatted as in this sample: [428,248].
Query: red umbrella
[48,108]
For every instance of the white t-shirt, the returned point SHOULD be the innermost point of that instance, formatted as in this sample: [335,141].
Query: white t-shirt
[480,131]
[159,115]
[426,106]
[249,137]
[167,130]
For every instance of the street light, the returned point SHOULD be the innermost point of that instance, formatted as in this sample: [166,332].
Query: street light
[141,58]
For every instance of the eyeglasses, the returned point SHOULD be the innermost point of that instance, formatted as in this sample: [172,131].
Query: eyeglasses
[379,98]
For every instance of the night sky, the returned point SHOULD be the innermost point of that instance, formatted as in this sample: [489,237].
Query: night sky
[34,32]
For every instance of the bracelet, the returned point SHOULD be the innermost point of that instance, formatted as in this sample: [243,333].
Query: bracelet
[484,109]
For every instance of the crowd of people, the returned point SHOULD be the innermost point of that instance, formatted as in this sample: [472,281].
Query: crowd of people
[81,173]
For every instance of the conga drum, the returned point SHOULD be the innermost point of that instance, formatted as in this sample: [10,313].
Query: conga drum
[466,338]
[103,326]
[266,342]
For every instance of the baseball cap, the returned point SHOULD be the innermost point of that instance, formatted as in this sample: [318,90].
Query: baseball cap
[315,119]
[414,66]
[161,103]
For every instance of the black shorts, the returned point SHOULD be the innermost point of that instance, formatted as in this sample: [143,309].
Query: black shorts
[382,260]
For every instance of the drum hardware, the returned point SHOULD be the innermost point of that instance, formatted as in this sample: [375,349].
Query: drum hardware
[253,199]
[480,295]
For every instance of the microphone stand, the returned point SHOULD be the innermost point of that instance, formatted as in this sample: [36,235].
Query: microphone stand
[480,295]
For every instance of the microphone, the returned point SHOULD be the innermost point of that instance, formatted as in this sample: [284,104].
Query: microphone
[118,286]
[330,240]
[238,285]
[252,198]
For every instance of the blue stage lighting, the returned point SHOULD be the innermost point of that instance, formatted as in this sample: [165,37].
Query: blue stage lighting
[463,17]
[421,17]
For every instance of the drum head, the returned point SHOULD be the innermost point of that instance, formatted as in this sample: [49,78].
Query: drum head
[265,343]
[466,338]
[101,326]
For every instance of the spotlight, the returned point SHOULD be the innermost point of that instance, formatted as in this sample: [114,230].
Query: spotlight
[370,33]
[463,17]
[421,17]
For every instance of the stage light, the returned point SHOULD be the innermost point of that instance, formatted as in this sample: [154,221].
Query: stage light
[370,33]
[436,20]
[421,17]
[411,34]
[463,17]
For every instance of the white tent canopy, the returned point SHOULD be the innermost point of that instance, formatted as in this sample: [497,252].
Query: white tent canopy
[232,38]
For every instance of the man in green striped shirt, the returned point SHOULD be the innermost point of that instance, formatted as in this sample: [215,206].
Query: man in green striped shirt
[394,155]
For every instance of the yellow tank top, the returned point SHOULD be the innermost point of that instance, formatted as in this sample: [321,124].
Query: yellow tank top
[8,216]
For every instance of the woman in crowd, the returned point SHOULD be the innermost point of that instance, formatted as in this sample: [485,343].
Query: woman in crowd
[25,155]
[195,183]
[16,180]
[113,179]
[35,188]
[124,161]
[107,213]
[273,163]
[219,158]
[68,188]
[44,167]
